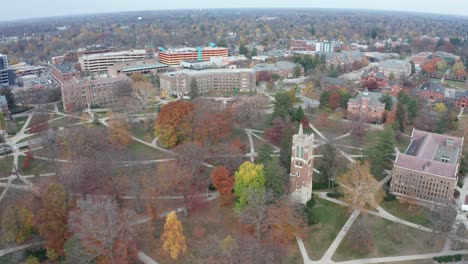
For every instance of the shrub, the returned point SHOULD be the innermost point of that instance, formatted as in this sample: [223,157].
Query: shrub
[334,194]
[389,197]
[211,187]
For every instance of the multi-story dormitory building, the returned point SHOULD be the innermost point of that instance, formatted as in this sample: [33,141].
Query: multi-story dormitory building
[178,82]
[427,171]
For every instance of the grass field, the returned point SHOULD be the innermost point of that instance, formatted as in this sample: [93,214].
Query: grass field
[139,151]
[15,126]
[331,218]
[65,121]
[417,216]
[389,239]
[36,166]
[6,166]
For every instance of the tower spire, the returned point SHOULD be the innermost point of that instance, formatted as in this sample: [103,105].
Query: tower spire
[300,129]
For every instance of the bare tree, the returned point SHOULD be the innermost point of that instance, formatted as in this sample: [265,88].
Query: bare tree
[105,232]
[358,125]
[247,110]
[442,218]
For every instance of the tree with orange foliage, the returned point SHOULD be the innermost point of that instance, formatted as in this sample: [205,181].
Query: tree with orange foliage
[119,131]
[237,143]
[224,183]
[209,124]
[334,100]
[284,222]
[52,220]
[170,127]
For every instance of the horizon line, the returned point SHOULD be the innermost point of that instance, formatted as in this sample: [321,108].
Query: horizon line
[233,8]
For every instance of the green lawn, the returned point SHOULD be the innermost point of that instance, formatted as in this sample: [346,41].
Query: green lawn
[65,121]
[141,132]
[6,166]
[28,138]
[389,239]
[139,151]
[15,126]
[331,218]
[36,166]
[417,216]
[101,114]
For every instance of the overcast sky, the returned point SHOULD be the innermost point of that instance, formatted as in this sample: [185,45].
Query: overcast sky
[20,9]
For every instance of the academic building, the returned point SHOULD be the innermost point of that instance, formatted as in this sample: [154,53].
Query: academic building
[427,171]
[79,94]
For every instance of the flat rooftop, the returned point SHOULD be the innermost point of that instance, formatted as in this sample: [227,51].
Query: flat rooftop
[207,72]
[145,67]
[115,53]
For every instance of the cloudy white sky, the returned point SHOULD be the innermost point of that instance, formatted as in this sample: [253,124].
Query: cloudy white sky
[21,9]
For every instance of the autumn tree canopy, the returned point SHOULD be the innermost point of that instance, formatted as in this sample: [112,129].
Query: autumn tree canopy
[224,183]
[360,187]
[174,242]
[248,176]
[52,220]
[170,126]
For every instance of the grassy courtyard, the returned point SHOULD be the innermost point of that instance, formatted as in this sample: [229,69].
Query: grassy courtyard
[388,239]
[139,151]
[330,219]
[16,125]
[417,215]
[6,166]
[36,166]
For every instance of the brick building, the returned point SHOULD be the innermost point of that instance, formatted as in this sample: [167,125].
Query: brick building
[82,93]
[394,87]
[284,69]
[302,165]
[178,82]
[64,72]
[399,68]
[367,105]
[427,171]
[372,76]
[432,91]
[176,56]
[461,99]
[314,45]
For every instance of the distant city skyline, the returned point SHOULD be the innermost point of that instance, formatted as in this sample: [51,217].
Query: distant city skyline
[35,9]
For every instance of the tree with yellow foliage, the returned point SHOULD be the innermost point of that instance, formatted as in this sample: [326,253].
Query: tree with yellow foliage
[360,187]
[173,238]
[248,176]
[440,107]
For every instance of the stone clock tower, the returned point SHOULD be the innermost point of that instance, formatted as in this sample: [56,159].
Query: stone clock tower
[302,165]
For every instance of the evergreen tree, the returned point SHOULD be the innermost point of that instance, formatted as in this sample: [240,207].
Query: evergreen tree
[265,153]
[412,108]
[382,152]
[193,89]
[297,71]
[324,99]
[400,117]
[275,176]
[387,100]
[283,105]
[299,114]
[285,152]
